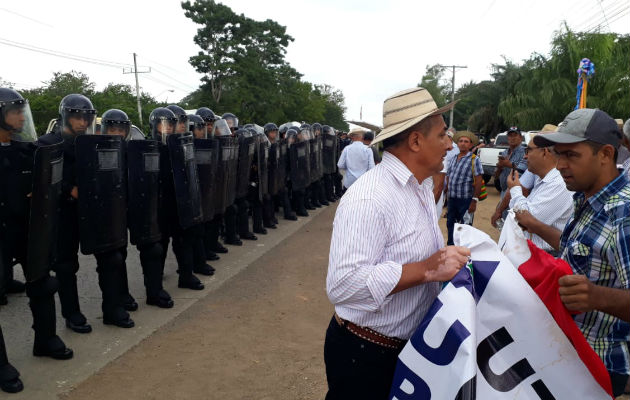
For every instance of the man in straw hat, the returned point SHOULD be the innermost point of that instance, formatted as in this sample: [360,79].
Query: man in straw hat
[595,240]
[387,254]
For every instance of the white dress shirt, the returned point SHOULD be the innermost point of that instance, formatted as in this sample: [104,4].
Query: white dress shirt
[356,159]
[385,220]
[549,202]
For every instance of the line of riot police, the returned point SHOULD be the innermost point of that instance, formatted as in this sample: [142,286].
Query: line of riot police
[196,178]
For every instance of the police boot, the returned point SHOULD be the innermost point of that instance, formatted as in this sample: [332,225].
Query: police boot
[212,236]
[230,226]
[69,300]
[109,266]
[257,219]
[129,303]
[184,252]
[9,376]
[199,254]
[162,299]
[243,221]
[321,192]
[42,303]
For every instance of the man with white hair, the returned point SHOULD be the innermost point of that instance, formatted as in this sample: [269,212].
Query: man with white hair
[356,159]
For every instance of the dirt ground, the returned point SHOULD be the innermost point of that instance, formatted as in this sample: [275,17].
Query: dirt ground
[259,336]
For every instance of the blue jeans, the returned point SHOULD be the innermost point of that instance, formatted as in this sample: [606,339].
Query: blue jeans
[455,214]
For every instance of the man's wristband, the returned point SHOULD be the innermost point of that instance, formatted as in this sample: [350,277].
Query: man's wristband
[476,199]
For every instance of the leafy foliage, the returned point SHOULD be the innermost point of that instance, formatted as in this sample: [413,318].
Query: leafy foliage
[245,71]
[542,89]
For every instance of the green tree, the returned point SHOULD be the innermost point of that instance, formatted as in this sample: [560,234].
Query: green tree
[433,81]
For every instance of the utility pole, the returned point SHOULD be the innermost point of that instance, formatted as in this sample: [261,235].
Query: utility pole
[452,67]
[136,72]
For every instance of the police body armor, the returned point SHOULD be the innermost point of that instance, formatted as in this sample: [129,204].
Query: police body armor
[102,193]
[329,154]
[186,182]
[300,165]
[143,168]
[246,151]
[207,158]
[273,163]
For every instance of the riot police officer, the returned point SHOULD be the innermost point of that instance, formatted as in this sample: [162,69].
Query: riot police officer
[142,163]
[30,175]
[299,169]
[182,118]
[318,193]
[175,222]
[329,161]
[76,117]
[212,227]
[259,180]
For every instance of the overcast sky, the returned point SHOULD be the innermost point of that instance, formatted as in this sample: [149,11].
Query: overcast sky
[369,49]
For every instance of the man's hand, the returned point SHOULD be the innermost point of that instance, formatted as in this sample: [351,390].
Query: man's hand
[578,293]
[472,207]
[74,192]
[495,217]
[504,163]
[445,263]
[513,180]
[526,220]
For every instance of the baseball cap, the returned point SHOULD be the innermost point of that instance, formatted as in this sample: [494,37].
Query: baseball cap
[582,125]
[514,129]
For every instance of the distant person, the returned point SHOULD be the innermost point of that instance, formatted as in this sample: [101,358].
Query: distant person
[368,137]
[356,159]
[513,158]
[463,183]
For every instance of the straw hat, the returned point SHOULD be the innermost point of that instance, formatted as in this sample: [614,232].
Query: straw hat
[356,131]
[473,138]
[405,109]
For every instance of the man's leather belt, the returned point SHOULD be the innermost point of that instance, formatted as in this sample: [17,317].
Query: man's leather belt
[370,335]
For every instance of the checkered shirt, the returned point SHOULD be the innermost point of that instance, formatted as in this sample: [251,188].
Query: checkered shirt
[460,178]
[517,158]
[596,243]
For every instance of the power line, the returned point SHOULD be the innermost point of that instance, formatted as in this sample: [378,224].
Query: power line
[60,54]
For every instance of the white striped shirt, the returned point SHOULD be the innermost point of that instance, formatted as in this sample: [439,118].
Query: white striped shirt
[549,202]
[385,220]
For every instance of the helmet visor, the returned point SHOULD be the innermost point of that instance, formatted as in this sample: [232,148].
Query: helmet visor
[78,122]
[117,128]
[18,120]
[221,128]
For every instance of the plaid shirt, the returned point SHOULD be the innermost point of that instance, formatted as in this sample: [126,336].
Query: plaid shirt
[626,166]
[460,176]
[517,158]
[596,243]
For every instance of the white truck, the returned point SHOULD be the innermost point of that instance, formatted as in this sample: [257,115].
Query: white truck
[489,155]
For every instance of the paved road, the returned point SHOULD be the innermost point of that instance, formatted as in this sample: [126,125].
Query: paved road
[46,378]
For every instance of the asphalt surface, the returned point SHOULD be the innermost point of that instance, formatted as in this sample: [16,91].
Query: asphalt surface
[45,378]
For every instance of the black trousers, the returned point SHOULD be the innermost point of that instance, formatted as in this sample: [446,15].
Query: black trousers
[67,264]
[357,368]
[619,382]
[212,231]
[111,269]
[7,371]
[152,267]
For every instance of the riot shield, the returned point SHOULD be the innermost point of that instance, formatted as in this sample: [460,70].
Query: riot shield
[272,168]
[283,160]
[143,170]
[44,213]
[186,182]
[246,151]
[207,158]
[260,174]
[102,193]
[320,160]
[299,165]
[329,153]
[314,160]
